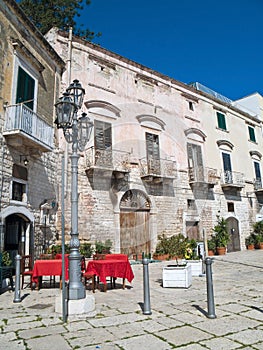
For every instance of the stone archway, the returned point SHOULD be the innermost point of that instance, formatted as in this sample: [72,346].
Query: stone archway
[134,223]
[233,230]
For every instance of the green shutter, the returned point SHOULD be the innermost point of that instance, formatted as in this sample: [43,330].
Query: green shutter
[25,88]
[221,120]
[252,136]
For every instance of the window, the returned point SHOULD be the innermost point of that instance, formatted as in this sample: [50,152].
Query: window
[191,105]
[230,207]
[19,184]
[18,191]
[221,120]
[251,132]
[153,153]
[103,143]
[25,88]
[227,168]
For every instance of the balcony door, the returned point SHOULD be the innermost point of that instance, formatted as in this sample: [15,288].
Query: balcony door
[195,162]
[25,91]
[153,154]
[228,177]
[103,143]
[258,175]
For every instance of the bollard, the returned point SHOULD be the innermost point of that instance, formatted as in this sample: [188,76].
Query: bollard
[17,297]
[146,288]
[209,286]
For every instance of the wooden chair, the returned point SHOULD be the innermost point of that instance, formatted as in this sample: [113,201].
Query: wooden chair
[46,256]
[26,269]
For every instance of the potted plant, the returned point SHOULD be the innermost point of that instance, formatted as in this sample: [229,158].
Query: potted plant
[222,237]
[250,242]
[162,248]
[211,246]
[258,234]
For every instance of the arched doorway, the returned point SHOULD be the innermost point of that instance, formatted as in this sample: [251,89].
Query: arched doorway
[15,234]
[134,223]
[233,230]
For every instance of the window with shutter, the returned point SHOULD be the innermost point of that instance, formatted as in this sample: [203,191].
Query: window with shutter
[221,120]
[153,153]
[195,162]
[258,175]
[251,132]
[103,143]
[25,89]
[227,168]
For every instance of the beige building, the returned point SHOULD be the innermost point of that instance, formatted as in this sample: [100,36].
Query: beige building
[164,157]
[30,74]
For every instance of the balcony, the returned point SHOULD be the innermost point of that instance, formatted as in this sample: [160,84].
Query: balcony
[156,170]
[24,128]
[232,180]
[258,186]
[202,175]
[107,161]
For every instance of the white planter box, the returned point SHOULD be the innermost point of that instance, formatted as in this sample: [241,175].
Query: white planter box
[177,276]
[197,267]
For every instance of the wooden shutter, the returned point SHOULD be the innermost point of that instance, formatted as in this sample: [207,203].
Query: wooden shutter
[25,88]
[153,153]
[195,162]
[221,121]
[227,162]
[252,136]
[103,135]
[257,170]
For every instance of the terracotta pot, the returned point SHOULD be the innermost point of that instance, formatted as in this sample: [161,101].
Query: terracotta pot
[260,245]
[221,250]
[250,247]
[211,253]
[161,257]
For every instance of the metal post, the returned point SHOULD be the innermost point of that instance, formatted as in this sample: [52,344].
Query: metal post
[209,286]
[17,297]
[76,287]
[146,288]
[64,294]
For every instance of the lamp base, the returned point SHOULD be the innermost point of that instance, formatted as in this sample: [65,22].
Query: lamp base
[81,308]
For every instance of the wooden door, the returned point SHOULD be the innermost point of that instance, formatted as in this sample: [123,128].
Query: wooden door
[232,228]
[134,232]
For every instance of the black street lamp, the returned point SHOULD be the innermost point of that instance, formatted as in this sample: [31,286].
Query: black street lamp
[77,130]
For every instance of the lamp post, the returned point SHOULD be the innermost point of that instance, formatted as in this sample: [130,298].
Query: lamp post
[77,131]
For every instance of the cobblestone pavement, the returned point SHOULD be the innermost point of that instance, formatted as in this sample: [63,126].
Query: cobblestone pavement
[178,320]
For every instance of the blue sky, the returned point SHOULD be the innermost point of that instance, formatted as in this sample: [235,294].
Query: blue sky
[217,43]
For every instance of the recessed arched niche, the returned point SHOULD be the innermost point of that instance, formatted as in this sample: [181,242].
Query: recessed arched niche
[151,121]
[195,134]
[103,108]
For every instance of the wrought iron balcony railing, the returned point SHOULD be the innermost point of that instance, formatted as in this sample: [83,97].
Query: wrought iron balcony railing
[158,168]
[114,160]
[21,119]
[203,175]
[232,179]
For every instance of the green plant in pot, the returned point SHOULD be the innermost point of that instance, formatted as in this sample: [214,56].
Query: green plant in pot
[250,241]
[258,234]
[221,235]
[211,246]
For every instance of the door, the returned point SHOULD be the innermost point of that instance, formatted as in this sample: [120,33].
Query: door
[195,162]
[228,178]
[134,232]
[153,154]
[103,143]
[232,228]
[15,234]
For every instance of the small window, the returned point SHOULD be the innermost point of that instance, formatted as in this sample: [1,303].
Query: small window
[191,105]
[221,120]
[230,207]
[191,204]
[251,132]
[18,191]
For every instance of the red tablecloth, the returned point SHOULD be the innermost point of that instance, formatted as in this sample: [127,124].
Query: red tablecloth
[49,268]
[110,268]
[123,257]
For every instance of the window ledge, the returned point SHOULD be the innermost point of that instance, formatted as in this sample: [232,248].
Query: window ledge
[224,130]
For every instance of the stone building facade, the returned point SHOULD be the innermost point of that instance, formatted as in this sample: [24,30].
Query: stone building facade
[164,157]
[30,73]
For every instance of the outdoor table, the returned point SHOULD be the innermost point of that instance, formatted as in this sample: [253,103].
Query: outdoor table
[116,257]
[110,268]
[48,268]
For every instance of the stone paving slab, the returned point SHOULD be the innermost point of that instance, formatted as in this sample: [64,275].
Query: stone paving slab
[178,318]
